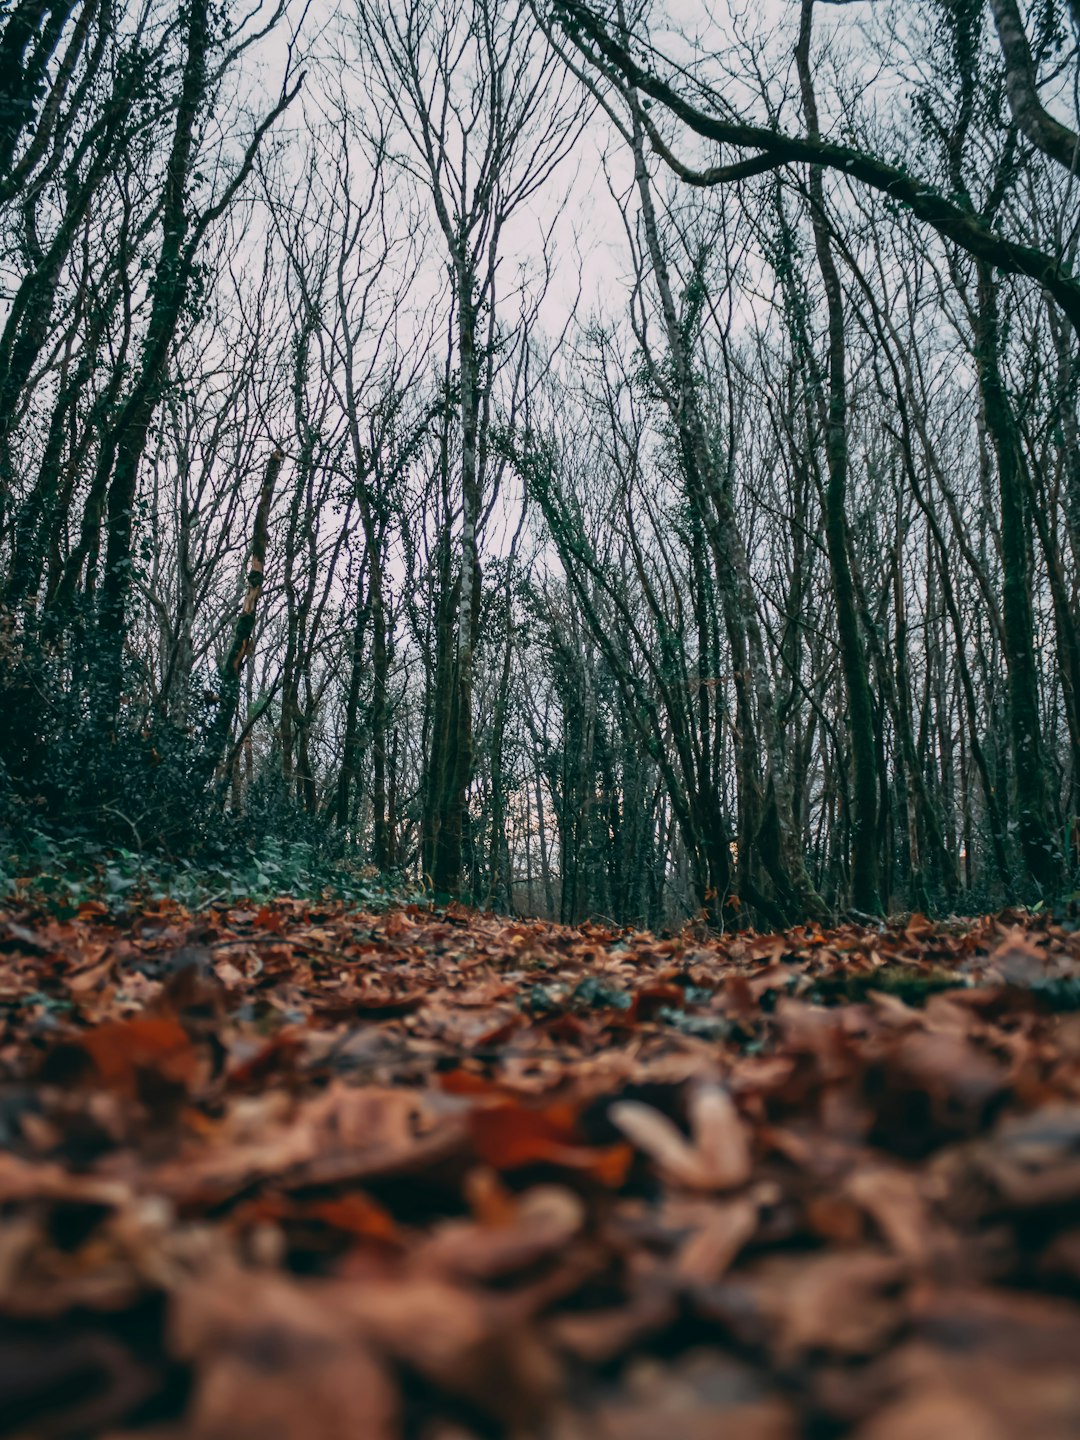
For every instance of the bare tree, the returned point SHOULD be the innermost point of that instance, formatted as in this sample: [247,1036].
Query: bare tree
[487,115]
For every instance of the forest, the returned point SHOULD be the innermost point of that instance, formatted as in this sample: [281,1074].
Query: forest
[539,719]
[584,460]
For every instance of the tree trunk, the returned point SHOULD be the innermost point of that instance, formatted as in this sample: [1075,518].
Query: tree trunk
[1038,844]
[864,861]
[217,737]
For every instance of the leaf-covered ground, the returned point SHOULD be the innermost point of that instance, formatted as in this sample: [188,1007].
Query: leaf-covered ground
[301,1173]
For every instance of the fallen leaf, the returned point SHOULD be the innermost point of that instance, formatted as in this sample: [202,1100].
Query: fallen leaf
[716,1158]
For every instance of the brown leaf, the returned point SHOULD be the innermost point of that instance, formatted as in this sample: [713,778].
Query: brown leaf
[709,1252]
[717,1158]
[541,1223]
[895,1200]
[846,1303]
[1017,960]
[270,1358]
[937,1412]
[469,1347]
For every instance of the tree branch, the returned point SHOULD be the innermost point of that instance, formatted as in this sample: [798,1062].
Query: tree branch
[951,221]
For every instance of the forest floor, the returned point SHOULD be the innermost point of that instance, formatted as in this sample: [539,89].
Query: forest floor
[298,1171]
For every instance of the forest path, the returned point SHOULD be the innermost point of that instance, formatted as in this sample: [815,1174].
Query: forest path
[307,1172]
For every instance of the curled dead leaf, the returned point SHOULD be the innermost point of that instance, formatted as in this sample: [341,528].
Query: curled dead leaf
[718,1155]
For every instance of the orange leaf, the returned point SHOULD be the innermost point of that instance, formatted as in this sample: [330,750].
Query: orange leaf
[125,1049]
[359,1215]
[507,1137]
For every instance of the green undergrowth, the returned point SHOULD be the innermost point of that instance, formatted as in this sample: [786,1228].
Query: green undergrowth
[913,987]
[61,874]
